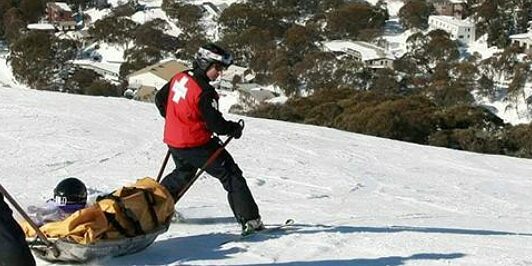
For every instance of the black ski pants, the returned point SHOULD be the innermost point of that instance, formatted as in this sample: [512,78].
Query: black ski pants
[189,160]
[13,248]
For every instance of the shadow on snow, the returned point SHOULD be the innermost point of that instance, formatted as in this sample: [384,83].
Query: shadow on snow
[398,229]
[179,250]
[388,261]
[207,246]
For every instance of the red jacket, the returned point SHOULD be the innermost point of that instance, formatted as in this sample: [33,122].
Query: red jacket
[184,125]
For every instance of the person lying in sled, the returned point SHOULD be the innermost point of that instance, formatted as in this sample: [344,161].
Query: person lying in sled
[137,209]
[70,195]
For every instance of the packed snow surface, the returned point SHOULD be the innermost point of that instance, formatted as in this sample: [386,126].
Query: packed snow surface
[356,200]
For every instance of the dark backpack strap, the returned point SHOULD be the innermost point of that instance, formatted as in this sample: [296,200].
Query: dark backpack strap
[150,201]
[112,220]
[148,195]
[132,218]
[130,215]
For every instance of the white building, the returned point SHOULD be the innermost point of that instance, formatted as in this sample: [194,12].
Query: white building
[523,40]
[372,56]
[212,9]
[250,96]
[461,30]
[41,26]
[155,76]
[109,71]
[235,75]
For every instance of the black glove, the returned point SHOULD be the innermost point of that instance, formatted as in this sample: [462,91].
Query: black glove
[236,131]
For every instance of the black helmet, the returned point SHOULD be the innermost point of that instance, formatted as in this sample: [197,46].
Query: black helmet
[70,191]
[211,53]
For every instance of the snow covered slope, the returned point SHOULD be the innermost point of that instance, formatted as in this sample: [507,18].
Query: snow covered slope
[357,200]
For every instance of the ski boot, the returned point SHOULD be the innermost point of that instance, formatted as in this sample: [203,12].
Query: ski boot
[252,226]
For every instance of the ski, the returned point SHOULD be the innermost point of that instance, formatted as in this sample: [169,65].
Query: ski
[178,218]
[268,229]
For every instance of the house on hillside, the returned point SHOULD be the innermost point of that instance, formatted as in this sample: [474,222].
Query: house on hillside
[454,8]
[46,27]
[523,40]
[109,71]
[251,95]
[235,75]
[212,9]
[371,55]
[60,15]
[145,82]
[461,30]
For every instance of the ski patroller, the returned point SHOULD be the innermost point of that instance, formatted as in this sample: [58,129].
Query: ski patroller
[267,230]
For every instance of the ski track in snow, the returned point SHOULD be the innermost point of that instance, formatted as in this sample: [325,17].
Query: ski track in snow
[356,200]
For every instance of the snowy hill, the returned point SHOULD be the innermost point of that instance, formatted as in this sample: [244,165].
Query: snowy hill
[357,200]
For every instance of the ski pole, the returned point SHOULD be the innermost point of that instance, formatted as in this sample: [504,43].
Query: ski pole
[40,234]
[163,166]
[211,159]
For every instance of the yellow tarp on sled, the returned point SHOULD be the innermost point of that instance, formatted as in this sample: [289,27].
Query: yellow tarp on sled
[129,211]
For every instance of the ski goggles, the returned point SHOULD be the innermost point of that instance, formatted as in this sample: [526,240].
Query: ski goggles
[62,203]
[226,59]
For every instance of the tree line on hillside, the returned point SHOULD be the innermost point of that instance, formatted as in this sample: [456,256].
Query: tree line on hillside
[287,31]
[414,118]
[426,98]
[41,60]
[279,40]
[284,52]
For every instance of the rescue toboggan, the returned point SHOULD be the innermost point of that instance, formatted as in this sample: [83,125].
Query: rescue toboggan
[121,223]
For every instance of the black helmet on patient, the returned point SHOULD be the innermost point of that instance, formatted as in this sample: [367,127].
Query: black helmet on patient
[70,194]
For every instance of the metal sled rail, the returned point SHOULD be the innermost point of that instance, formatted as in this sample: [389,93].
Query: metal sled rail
[79,253]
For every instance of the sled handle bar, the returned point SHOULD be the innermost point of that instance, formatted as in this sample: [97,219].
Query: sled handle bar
[211,159]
